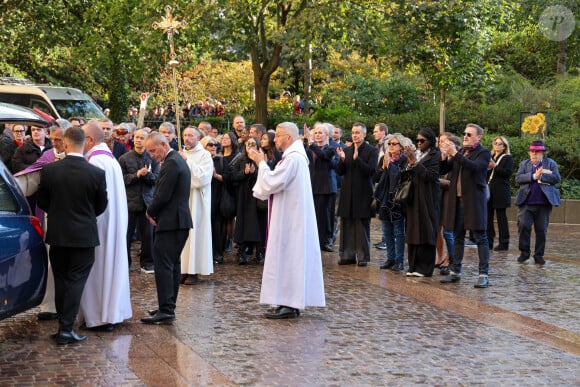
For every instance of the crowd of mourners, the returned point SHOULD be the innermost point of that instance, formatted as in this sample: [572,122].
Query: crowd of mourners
[433,195]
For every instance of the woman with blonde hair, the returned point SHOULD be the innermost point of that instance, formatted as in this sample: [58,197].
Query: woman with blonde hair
[501,167]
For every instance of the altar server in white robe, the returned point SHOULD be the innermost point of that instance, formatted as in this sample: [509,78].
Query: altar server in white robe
[106,300]
[292,277]
[197,255]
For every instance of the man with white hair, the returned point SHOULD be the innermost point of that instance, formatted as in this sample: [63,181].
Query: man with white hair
[292,277]
[106,300]
[168,130]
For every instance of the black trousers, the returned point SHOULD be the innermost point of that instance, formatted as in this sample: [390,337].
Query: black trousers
[355,240]
[421,259]
[139,219]
[502,225]
[71,267]
[167,259]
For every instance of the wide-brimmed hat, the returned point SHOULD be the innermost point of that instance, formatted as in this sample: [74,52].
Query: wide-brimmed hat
[537,145]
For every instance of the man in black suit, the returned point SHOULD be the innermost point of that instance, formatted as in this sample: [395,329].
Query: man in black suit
[357,164]
[73,193]
[169,212]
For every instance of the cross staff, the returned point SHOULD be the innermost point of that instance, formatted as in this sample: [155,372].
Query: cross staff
[170,26]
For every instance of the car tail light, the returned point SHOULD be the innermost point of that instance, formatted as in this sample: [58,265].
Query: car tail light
[35,222]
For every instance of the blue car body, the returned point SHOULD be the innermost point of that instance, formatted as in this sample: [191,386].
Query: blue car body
[23,255]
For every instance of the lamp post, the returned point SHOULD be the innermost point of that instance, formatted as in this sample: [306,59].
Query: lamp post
[170,26]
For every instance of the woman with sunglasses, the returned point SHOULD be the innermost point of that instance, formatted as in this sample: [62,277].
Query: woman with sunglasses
[247,233]
[501,167]
[229,143]
[391,214]
[423,207]
[221,171]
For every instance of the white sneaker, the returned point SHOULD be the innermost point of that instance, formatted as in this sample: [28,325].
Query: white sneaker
[148,270]
[417,274]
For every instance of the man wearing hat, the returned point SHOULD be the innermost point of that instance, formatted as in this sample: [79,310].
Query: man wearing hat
[537,178]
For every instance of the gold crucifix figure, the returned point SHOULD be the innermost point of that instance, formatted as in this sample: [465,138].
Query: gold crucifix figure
[170,26]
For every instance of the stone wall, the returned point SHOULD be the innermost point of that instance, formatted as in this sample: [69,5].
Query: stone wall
[568,212]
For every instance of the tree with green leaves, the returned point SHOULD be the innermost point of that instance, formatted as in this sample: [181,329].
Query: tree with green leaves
[447,42]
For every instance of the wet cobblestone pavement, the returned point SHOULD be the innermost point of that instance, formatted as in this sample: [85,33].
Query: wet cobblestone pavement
[379,328]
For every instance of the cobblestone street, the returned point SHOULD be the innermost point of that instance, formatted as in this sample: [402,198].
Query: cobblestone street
[379,328]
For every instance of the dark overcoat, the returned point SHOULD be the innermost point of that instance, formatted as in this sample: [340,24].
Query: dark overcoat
[357,187]
[423,208]
[473,168]
[499,185]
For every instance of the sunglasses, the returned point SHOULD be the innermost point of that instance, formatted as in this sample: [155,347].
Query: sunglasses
[467,134]
[498,143]
[420,140]
[251,144]
[212,144]
[393,143]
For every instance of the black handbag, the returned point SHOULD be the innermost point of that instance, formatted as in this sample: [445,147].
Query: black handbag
[404,192]
[227,205]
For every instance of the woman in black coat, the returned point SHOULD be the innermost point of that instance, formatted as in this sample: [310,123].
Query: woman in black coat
[247,229]
[423,208]
[501,167]
[221,171]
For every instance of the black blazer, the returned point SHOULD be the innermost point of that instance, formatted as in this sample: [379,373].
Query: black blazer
[357,188]
[73,193]
[170,205]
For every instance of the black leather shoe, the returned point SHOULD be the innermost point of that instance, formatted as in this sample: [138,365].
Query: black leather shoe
[71,337]
[522,258]
[102,328]
[159,318]
[482,282]
[45,316]
[451,279]
[388,264]
[539,261]
[282,312]
[327,248]
[347,262]
[501,247]
[362,263]
[219,259]
[152,312]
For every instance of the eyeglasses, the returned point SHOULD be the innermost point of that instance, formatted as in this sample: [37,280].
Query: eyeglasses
[211,144]
[467,134]
[420,140]
[18,131]
[498,143]
[393,143]
[251,144]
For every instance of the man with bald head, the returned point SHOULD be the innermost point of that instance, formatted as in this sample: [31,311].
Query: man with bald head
[106,300]
[140,173]
[292,277]
[116,147]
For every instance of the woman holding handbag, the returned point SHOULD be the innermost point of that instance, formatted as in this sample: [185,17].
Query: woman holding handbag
[391,214]
[501,167]
[424,204]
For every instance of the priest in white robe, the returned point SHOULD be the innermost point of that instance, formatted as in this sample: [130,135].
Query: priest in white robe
[197,255]
[292,277]
[106,300]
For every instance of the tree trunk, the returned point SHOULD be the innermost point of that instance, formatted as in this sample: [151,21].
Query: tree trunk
[562,57]
[441,109]
[261,85]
